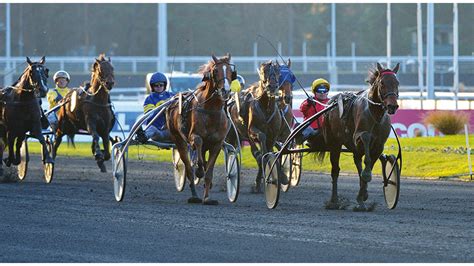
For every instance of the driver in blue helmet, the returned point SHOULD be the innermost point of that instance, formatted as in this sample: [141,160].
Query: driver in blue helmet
[158,95]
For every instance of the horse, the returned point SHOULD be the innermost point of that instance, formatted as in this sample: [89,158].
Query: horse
[262,121]
[21,112]
[92,111]
[202,123]
[362,127]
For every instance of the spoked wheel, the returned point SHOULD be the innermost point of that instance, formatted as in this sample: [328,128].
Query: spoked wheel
[286,172]
[272,183]
[391,188]
[25,158]
[232,168]
[48,168]
[296,166]
[119,170]
[179,171]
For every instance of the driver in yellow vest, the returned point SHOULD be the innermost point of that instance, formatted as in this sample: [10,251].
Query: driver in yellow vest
[61,78]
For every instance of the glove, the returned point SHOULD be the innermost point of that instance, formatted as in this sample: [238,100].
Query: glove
[58,98]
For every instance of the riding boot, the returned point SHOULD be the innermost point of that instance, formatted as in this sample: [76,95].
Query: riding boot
[304,135]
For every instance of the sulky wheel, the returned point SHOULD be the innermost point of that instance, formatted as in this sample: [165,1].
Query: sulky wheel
[232,168]
[119,170]
[48,168]
[271,181]
[179,171]
[25,158]
[286,172]
[391,188]
[296,166]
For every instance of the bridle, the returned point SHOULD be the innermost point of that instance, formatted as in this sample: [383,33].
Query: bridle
[266,83]
[378,83]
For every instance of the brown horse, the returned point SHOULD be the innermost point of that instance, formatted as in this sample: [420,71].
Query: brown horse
[203,123]
[92,111]
[263,121]
[363,127]
[20,112]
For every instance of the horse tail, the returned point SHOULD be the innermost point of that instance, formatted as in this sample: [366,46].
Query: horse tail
[70,141]
[319,156]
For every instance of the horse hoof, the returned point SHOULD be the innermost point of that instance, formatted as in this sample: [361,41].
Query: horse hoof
[1,171]
[331,205]
[16,162]
[208,201]
[102,167]
[194,200]
[256,190]
[7,162]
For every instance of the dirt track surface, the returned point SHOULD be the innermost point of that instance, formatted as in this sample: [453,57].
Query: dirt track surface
[76,219]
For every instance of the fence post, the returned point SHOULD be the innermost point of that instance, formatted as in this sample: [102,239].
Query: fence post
[305,58]
[255,50]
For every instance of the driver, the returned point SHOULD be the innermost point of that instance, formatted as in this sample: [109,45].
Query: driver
[157,131]
[320,88]
[54,96]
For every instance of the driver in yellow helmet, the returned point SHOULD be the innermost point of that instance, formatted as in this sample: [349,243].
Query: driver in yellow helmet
[320,88]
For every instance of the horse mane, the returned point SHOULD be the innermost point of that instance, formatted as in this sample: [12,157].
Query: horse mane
[205,68]
[373,75]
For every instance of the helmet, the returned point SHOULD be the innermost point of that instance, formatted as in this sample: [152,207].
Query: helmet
[158,77]
[317,83]
[61,74]
[241,79]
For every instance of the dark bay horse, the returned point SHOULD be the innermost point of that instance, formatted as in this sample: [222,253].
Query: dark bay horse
[363,127]
[263,121]
[92,111]
[203,123]
[20,112]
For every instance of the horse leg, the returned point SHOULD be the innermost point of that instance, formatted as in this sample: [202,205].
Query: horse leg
[2,148]
[106,143]
[256,188]
[19,141]
[366,174]
[10,139]
[196,142]
[334,156]
[213,153]
[57,141]
[182,147]
[99,157]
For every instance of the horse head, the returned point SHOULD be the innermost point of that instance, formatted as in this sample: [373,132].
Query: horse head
[219,73]
[37,76]
[103,72]
[269,73]
[385,87]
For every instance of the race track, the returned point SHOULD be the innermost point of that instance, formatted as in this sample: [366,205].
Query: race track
[76,219]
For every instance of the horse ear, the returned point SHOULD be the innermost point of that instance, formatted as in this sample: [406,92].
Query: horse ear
[28,61]
[289,63]
[42,60]
[396,68]
[109,59]
[379,67]
[214,58]
[228,56]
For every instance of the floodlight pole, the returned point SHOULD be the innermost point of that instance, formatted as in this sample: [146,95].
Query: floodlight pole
[455,53]
[419,34]
[389,35]
[7,79]
[162,37]
[430,51]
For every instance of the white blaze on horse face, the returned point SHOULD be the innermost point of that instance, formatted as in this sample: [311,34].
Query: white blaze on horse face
[226,83]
